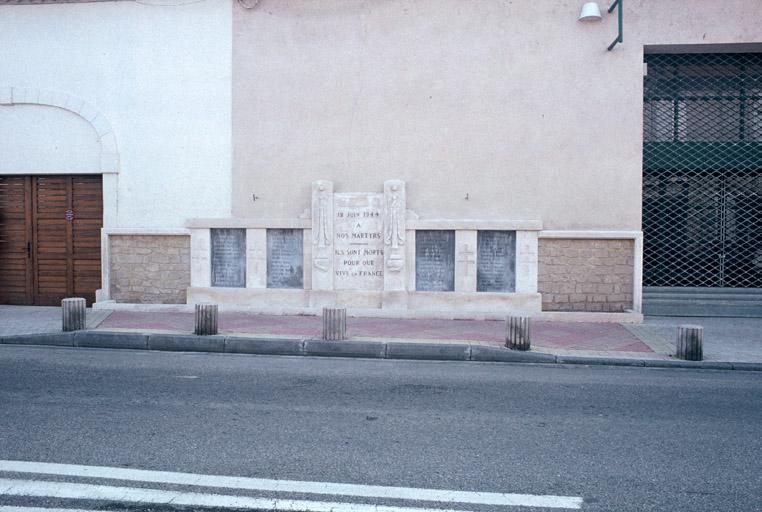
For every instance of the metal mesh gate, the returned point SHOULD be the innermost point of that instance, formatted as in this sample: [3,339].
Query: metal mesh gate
[702,170]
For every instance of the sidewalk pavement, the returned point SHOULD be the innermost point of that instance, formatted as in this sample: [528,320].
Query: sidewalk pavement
[40,319]
[726,339]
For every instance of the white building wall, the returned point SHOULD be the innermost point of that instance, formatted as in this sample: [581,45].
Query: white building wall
[160,75]
[46,139]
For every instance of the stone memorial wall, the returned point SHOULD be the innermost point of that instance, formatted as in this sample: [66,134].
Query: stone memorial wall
[367,250]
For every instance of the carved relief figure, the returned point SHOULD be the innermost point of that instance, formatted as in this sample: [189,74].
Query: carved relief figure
[395,234]
[322,225]
[322,236]
[394,228]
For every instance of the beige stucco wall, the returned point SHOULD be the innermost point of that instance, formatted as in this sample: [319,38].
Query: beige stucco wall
[151,269]
[515,104]
[585,275]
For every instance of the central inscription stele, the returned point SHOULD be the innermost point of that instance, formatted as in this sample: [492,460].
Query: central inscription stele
[358,248]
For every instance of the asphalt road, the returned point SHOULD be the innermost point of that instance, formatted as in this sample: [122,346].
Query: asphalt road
[620,438]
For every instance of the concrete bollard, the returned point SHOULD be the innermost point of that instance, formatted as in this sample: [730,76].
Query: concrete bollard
[74,314]
[690,342]
[518,332]
[334,324]
[206,319]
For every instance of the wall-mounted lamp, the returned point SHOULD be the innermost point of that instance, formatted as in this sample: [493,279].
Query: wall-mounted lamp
[590,12]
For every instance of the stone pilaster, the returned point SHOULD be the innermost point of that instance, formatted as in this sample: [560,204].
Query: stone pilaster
[410,258]
[465,260]
[307,261]
[256,258]
[201,258]
[526,261]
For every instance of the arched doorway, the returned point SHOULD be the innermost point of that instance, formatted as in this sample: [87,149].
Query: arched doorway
[52,159]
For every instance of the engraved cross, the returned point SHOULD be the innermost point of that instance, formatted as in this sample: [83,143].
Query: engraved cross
[466,257]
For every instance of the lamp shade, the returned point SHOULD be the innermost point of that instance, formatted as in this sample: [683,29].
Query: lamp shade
[590,12]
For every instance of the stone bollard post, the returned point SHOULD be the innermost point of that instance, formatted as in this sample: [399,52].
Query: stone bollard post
[206,319]
[334,324]
[518,332]
[690,342]
[74,314]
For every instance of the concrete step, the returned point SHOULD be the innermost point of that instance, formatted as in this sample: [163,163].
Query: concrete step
[725,302]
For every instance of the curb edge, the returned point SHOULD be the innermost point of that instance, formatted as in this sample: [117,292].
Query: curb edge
[290,347]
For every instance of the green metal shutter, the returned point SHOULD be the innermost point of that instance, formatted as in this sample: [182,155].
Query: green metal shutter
[702,171]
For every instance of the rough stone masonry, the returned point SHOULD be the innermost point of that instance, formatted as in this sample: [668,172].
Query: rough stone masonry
[585,275]
[150,269]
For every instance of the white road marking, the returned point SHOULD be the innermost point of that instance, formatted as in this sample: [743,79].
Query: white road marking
[38,509]
[291,486]
[139,495]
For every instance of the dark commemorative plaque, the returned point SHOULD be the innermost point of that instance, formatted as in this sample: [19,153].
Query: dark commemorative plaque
[435,261]
[285,258]
[228,258]
[496,261]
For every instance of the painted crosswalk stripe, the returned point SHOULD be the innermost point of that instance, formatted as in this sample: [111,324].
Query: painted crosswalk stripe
[292,486]
[40,509]
[68,490]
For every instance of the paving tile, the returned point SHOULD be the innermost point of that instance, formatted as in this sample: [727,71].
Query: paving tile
[725,339]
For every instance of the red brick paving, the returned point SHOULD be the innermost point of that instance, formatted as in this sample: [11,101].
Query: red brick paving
[561,335]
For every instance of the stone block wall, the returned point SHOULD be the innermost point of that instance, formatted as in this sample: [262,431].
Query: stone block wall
[585,275]
[151,269]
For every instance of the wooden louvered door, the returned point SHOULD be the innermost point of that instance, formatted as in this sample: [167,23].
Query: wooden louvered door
[67,216]
[50,238]
[16,269]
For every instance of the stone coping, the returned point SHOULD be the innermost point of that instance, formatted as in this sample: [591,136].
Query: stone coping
[349,348]
[474,225]
[592,234]
[410,224]
[146,231]
[258,223]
